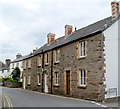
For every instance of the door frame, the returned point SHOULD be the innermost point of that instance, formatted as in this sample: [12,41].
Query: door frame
[65,85]
[45,82]
[24,83]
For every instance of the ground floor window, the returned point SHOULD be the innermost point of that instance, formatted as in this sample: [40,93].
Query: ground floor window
[39,79]
[83,77]
[56,81]
[29,79]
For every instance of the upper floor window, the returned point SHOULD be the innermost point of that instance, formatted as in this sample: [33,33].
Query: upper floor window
[82,49]
[46,58]
[24,64]
[57,54]
[17,64]
[29,63]
[83,78]
[39,60]
[13,65]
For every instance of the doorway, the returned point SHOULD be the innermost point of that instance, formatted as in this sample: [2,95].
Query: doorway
[46,83]
[24,83]
[68,82]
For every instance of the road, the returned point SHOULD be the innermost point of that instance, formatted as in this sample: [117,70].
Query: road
[25,98]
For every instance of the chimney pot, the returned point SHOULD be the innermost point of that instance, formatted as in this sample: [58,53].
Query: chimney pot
[50,37]
[68,29]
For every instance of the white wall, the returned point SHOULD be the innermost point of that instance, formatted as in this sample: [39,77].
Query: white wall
[111,59]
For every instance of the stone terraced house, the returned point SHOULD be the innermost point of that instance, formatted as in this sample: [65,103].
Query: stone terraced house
[82,63]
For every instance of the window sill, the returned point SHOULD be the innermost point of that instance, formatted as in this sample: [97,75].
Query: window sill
[39,65]
[82,87]
[39,85]
[82,57]
[56,63]
[56,85]
[46,64]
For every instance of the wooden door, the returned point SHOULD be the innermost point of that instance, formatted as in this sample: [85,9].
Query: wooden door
[67,82]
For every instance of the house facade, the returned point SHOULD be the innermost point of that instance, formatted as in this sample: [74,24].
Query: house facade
[78,64]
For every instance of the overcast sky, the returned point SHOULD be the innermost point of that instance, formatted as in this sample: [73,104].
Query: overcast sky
[24,24]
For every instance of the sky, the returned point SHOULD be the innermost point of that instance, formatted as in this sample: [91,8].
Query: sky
[24,24]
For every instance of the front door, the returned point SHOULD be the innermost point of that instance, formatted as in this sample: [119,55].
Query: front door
[46,84]
[24,83]
[67,82]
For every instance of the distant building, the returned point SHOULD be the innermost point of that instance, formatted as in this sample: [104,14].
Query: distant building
[5,68]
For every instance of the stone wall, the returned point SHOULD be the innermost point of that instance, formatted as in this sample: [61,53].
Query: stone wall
[93,63]
[12,84]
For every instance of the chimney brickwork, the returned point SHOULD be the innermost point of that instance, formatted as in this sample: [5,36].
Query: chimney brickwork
[115,8]
[18,55]
[51,37]
[68,29]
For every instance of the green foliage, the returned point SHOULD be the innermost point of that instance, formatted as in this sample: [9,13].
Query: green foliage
[8,79]
[5,79]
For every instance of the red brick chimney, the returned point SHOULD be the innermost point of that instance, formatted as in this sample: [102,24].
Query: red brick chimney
[115,8]
[68,29]
[50,37]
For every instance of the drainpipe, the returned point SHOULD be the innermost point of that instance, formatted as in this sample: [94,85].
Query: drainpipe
[42,71]
[51,70]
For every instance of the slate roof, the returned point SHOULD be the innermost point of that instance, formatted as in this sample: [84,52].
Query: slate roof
[87,31]
[21,58]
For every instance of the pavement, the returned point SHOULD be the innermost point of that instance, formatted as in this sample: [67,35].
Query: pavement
[24,98]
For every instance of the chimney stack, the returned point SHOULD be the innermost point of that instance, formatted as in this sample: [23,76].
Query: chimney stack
[115,8]
[8,61]
[18,55]
[50,37]
[68,29]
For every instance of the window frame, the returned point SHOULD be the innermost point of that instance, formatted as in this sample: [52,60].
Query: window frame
[82,81]
[56,78]
[82,49]
[29,63]
[57,56]
[29,79]
[39,79]
[47,58]
[40,60]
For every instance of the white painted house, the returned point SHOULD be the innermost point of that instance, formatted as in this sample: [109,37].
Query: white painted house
[112,35]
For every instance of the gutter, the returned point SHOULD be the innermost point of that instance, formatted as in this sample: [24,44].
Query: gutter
[42,71]
[51,70]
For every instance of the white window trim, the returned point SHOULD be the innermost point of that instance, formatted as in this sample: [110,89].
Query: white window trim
[83,79]
[39,79]
[29,79]
[57,53]
[56,79]
[82,49]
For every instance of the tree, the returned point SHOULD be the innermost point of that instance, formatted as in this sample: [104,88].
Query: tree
[16,74]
